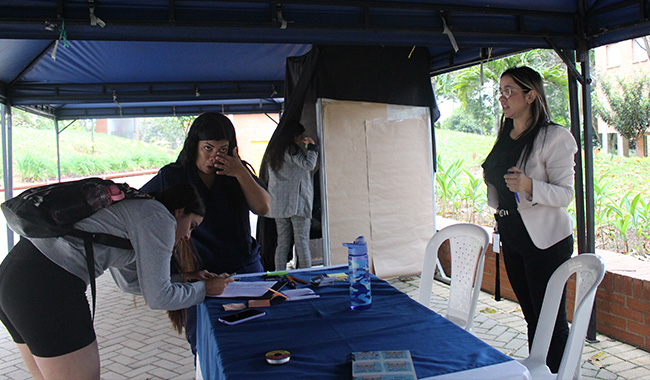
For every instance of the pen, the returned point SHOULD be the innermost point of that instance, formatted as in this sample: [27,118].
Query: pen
[294,279]
[277,293]
[516,195]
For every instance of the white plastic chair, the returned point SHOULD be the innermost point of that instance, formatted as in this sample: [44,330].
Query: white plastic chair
[468,244]
[590,271]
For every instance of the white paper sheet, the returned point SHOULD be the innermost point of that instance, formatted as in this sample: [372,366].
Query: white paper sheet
[245,289]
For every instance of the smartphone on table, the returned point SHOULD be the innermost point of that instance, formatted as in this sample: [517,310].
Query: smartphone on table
[242,316]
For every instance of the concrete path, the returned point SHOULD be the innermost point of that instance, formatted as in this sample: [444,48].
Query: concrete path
[138,343]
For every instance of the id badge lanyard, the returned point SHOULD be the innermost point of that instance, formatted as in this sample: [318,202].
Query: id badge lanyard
[496,248]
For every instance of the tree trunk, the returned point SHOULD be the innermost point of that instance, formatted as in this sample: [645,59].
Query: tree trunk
[640,145]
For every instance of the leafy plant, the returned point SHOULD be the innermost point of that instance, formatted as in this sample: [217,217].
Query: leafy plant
[474,195]
[448,187]
[601,197]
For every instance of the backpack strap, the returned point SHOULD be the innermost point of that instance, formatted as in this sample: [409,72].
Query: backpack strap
[89,239]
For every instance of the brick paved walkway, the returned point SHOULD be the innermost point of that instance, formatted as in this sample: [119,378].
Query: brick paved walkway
[138,343]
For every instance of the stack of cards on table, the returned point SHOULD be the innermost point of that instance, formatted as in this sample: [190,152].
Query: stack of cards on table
[383,365]
[300,294]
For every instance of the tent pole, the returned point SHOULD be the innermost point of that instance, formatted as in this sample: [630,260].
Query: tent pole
[589,156]
[7,168]
[574,110]
[589,177]
[58,148]
[325,223]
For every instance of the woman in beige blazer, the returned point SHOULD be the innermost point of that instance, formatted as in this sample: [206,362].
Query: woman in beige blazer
[529,174]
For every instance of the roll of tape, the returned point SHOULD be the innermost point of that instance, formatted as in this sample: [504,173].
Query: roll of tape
[276,357]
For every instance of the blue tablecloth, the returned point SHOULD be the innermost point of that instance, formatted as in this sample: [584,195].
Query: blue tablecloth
[321,333]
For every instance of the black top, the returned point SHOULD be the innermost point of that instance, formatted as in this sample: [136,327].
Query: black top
[504,155]
[223,240]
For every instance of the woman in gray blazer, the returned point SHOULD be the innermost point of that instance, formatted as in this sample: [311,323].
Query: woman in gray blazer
[292,160]
[529,174]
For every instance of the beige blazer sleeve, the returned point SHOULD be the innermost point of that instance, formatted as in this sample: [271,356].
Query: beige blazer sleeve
[551,168]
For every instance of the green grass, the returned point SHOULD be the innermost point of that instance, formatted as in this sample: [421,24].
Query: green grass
[82,154]
[625,173]
[622,189]
[452,146]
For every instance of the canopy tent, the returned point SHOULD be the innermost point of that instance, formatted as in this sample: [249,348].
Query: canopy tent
[148,57]
[173,57]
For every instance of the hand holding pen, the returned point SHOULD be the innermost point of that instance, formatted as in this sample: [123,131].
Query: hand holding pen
[216,285]
[518,182]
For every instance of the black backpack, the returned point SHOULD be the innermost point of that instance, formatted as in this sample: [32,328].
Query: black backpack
[52,210]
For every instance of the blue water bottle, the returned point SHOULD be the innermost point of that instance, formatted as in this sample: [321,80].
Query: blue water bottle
[359,274]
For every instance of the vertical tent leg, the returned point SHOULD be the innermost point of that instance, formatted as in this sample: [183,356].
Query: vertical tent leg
[574,110]
[584,193]
[7,168]
[589,177]
[58,149]
[589,157]
[439,274]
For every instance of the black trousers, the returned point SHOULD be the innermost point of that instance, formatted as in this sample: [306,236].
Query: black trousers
[529,269]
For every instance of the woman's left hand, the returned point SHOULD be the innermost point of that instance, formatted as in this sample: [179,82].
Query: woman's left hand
[517,181]
[230,165]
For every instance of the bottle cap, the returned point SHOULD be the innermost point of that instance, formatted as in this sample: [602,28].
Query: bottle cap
[358,241]
[357,247]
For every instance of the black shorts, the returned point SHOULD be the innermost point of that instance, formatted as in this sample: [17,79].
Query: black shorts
[42,304]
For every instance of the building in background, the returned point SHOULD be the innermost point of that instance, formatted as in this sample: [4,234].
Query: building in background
[622,59]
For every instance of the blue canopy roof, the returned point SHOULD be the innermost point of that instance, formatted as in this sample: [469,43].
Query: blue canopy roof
[161,57]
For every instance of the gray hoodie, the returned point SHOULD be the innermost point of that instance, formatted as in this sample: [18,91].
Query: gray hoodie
[143,270]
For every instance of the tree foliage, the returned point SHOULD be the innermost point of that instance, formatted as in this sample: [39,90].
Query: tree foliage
[166,132]
[477,87]
[626,106]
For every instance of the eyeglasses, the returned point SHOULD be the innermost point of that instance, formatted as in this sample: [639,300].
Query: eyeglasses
[507,91]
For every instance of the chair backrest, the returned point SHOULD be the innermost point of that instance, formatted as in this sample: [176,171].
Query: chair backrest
[468,244]
[590,271]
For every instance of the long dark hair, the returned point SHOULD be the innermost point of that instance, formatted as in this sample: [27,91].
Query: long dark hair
[212,126]
[184,259]
[182,195]
[528,79]
[283,142]
[208,126]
